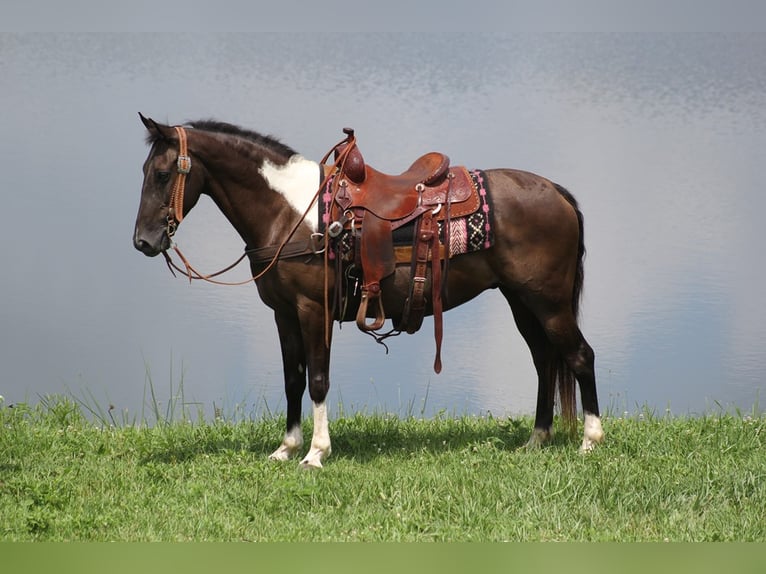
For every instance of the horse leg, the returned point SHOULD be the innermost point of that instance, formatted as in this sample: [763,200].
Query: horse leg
[563,332]
[318,355]
[533,334]
[558,335]
[293,363]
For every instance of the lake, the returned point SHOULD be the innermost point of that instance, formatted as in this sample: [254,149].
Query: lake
[661,138]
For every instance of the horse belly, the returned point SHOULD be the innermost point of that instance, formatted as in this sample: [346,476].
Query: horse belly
[468,275]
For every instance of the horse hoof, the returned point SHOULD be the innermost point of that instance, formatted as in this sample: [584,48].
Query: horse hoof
[588,444]
[313,460]
[311,464]
[538,439]
[281,454]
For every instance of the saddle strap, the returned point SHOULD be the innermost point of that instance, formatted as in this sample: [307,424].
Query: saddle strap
[414,306]
[426,246]
[436,296]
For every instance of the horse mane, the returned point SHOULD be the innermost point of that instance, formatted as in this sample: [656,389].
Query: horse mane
[213,126]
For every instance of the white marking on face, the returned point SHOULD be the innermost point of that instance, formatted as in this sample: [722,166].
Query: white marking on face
[297,181]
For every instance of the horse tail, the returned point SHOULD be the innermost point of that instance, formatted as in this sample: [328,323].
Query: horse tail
[559,371]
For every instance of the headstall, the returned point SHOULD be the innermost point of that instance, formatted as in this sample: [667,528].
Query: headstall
[176,207]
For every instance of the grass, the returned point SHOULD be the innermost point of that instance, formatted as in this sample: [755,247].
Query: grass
[64,477]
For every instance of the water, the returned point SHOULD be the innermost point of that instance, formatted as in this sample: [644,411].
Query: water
[660,137]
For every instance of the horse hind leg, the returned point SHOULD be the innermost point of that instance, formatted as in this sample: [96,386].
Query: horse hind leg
[562,356]
[582,362]
[534,336]
[579,362]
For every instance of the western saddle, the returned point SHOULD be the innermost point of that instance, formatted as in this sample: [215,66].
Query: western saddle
[371,205]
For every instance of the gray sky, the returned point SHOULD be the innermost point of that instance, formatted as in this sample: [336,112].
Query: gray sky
[388,15]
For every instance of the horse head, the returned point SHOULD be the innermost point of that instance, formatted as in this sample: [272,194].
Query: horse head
[170,188]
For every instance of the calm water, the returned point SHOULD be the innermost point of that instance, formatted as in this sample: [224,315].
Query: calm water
[660,137]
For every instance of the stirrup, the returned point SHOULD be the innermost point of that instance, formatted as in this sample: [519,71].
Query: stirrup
[361,314]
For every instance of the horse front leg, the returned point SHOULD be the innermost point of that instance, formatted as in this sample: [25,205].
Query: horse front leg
[318,355]
[294,366]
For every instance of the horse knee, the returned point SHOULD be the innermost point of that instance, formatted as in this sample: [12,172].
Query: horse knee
[319,385]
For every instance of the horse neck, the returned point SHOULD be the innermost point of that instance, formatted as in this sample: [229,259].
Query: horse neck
[261,215]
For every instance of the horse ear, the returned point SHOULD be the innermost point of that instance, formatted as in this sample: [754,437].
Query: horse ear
[149,123]
[156,131]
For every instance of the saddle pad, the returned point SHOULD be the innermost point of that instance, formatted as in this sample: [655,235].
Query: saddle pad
[468,233]
[474,231]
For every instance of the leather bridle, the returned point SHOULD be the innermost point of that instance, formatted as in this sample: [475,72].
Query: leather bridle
[183,163]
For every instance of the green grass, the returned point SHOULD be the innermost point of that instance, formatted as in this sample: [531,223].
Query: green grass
[65,477]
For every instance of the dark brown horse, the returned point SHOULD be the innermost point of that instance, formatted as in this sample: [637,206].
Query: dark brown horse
[264,188]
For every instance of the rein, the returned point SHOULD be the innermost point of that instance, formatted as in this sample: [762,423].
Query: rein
[270,254]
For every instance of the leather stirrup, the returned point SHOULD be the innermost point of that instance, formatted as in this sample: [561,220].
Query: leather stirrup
[361,314]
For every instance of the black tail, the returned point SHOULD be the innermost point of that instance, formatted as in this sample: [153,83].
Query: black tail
[580,273]
[559,373]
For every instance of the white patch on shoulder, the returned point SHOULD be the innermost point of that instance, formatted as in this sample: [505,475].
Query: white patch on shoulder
[298,181]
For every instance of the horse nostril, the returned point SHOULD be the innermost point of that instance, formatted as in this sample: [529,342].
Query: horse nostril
[144,246]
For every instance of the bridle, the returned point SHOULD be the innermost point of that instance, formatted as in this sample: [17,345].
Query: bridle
[183,163]
[175,215]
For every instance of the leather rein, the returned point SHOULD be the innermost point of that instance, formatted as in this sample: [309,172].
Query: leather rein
[269,254]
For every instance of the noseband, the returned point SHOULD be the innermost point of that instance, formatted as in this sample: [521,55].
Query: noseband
[176,207]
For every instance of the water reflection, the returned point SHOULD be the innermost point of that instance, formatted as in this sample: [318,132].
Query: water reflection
[659,137]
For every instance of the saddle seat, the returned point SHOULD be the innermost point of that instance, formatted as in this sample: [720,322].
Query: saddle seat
[426,169]
[390,197]
[429,182]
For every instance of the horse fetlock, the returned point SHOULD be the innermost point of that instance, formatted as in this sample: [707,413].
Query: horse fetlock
[593,433]
[539,438]
[290,444]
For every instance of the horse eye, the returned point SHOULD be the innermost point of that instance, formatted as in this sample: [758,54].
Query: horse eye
[163,176]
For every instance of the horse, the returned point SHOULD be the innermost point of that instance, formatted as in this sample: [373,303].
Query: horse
[265,189]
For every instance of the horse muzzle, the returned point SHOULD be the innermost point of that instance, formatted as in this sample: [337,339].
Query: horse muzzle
[151,247]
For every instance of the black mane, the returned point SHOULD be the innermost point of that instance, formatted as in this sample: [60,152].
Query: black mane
[213,126]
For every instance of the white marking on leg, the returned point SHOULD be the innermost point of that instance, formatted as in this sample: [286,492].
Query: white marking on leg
[297,181]
[593,434]
[539,438]
[320,441]
[290,444]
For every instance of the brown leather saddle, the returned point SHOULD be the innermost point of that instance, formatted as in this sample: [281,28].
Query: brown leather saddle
[372,205]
